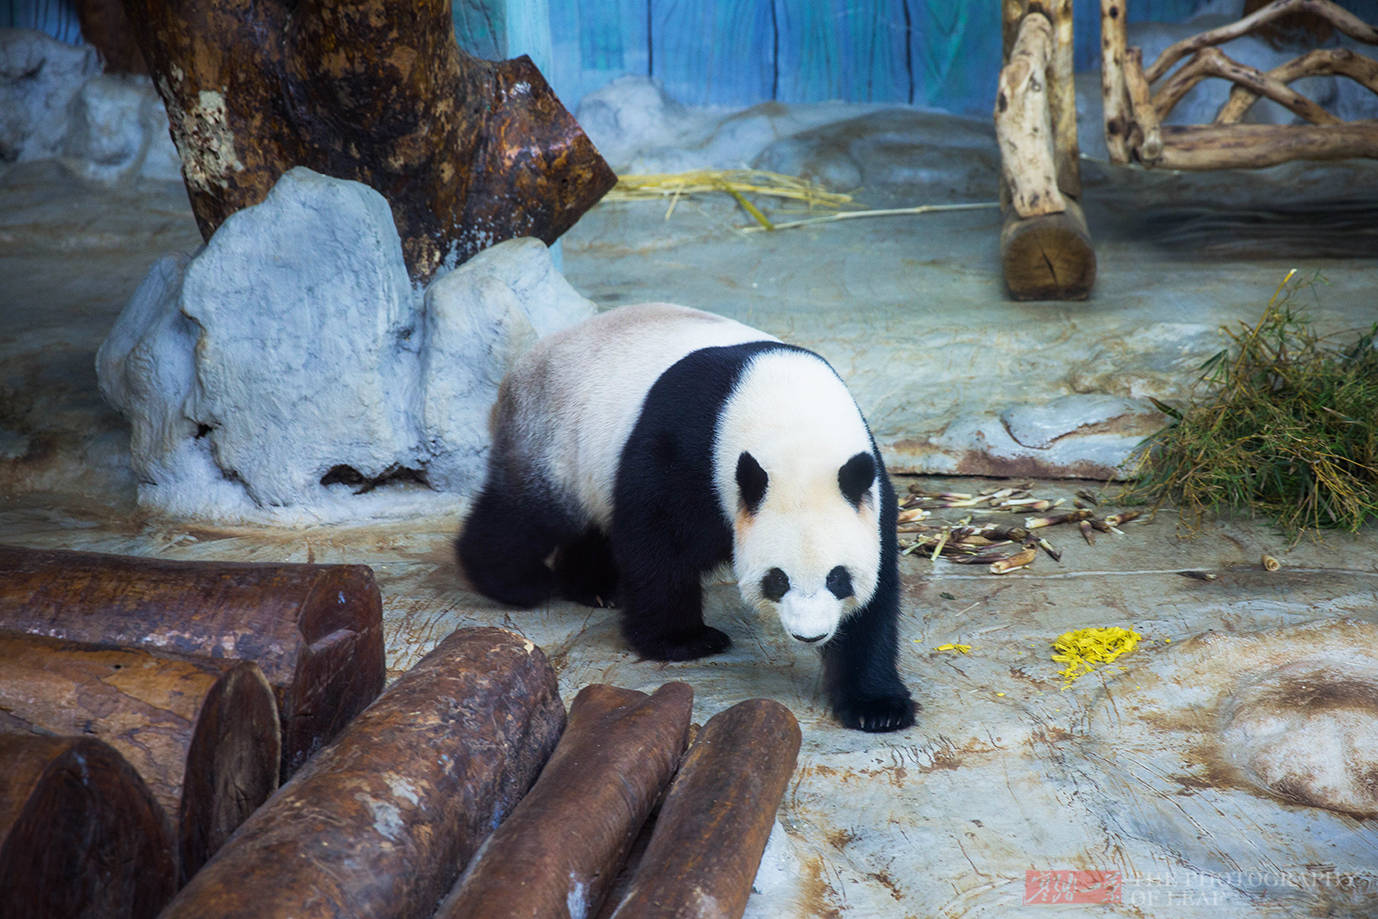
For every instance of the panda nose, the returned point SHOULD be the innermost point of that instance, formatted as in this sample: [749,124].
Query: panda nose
[810,640]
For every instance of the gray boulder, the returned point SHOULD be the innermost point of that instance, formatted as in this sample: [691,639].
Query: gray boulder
[289,373]
[39,76]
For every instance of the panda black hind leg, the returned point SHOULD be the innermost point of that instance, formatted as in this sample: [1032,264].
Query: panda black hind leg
[504,545]
[585,571]
[859,663]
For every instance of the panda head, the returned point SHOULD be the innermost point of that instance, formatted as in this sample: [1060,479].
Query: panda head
[807,538]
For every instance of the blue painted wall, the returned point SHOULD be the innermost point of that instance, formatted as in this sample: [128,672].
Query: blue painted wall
[938,53]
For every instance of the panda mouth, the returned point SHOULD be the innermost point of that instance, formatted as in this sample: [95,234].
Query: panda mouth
[809,639]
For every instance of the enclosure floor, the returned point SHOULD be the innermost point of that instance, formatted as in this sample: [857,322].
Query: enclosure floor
[1007,772]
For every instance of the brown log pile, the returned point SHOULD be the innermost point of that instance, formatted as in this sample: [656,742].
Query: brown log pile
[380,823]
[560,850]
[315,630]
[80,833]
[467,152]
[716,818]
[202,734]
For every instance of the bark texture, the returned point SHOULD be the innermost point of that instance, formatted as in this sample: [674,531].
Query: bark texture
[80,833]
[560,850]
[717,816]
[202,734]
[380,823]
[467,152]
[316,631]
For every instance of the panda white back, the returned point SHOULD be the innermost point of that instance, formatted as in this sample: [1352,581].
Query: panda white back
[594,377]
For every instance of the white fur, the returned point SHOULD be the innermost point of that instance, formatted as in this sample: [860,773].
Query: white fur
[789,410]
[594,377]
[799,422]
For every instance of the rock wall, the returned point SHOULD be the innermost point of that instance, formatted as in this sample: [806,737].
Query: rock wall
[289,373]
[55,103]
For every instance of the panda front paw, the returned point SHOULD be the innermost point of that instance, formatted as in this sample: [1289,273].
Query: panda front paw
[681,646]
[876,714]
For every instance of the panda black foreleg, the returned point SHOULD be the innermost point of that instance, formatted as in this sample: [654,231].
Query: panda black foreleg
[504,545]
[662,619]
[859,668]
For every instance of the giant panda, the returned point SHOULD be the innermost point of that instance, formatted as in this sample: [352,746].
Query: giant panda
[637,450]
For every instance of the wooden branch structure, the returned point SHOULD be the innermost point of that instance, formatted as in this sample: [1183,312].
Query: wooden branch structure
[201,733]
[80,833]
[316,631]
[467,152]
[1134,113]
[1045,246]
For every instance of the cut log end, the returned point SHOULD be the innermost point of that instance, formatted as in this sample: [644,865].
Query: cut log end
[1049,257]
[80,834]
[232,764]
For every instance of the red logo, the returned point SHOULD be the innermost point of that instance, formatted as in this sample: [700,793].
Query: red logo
[1068,886]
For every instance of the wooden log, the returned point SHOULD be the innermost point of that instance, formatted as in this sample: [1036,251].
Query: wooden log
[1318,62]
[1212,62]
[1339,17]
[380,823]
[1023,123]
[1048,257]
[1114,40]
[80,834]
[315,630]
[202,734]
[467,152]
[1146,135]
[712,829]
[1254,146]
[1062,99]
[619,751]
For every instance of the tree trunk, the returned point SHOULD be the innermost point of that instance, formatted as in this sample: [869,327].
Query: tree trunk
[717,816]
[380,823]
[316,631]
[80,834]
[619,751]
[467,152]
[202,734]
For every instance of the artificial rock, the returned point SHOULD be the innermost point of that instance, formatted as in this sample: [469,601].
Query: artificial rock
[288,368]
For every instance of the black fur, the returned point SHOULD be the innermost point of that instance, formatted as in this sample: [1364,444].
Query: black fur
[859,669]
[667,530]
[751,482]
[839,583]
[855,476]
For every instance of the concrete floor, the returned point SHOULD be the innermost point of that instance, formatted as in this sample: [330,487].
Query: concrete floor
[1135,770]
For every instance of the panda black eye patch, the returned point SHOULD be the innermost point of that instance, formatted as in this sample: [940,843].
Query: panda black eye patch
[839,583]
[775,584]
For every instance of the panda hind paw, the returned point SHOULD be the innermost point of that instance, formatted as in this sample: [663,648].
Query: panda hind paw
[682,646]
[876,714]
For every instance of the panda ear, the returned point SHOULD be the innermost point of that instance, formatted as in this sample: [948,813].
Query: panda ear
[855,476]
[751,481]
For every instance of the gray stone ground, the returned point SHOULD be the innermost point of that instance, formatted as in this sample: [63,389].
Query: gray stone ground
[1155,769]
